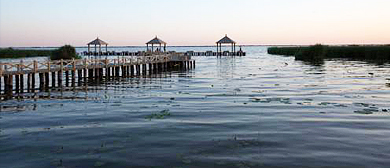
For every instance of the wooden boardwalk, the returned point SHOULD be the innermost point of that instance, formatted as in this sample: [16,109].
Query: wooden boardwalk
[140,53]
[51,74]
[211,53]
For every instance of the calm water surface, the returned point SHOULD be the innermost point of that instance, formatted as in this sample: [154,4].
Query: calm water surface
[254,111]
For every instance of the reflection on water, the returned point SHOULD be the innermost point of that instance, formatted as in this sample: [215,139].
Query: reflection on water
[254,111]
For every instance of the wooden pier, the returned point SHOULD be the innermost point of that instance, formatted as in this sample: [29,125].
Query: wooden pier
[29,76]
[188,53]
[211,53]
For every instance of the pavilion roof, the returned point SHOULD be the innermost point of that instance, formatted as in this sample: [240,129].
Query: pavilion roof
[156,40]
[97,41]
[226,39]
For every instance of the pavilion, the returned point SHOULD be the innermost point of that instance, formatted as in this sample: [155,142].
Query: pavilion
[156,41]
[97,42]
[226,40]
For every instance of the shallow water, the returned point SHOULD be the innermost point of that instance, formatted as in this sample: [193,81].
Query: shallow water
[254,111]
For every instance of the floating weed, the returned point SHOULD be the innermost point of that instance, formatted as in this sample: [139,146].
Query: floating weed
[324,103]
[367,111]
[160,115]
[99,164]
[269,100]
[363,112]
[362,104]
[340,105]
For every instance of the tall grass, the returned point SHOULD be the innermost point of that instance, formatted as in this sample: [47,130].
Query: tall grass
[379,53]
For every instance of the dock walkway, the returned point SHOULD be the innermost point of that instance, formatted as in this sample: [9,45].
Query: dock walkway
[83,69]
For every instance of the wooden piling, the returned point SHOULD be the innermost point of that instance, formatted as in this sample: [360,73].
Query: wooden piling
[47,80]
[21,83]
[53,79]
[33,82]
[132,70]
[28,82]
[41,81]
[67,78]
[17,82]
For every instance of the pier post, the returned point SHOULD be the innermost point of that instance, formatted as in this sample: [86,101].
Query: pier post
[90,73]
[5,84]
[33,82]
[41,81]
[73,73]
[79,76]
[66,78]
[47,81]
[53,79]
[28,82]
[60,73]
[117,71]
[10,86]
[108,73]
[17,83]
[85,70]
[132,70]
[138,70]
[21,83]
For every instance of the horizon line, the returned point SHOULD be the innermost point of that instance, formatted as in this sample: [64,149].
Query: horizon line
[119,46]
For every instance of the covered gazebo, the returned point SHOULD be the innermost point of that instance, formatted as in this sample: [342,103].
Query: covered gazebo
[226,40]
[97,42]
[156,41]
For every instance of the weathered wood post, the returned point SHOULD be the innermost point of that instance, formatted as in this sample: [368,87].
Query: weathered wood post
[107,68]
[21,82]
[17,82]
[5,84]
[66,78]
[53,79]
[35,68]
[85,71]
[41,81]
[73,72]
[10,86]
[28,82]
[46,80]
[79,76]
[60,73]
[21,76]
[47,76]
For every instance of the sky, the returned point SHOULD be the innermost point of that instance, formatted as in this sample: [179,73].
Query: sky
[50,23]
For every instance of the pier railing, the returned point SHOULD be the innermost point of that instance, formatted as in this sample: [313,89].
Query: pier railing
[51,66]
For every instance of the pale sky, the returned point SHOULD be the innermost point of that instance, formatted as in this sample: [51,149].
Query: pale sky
[26,23]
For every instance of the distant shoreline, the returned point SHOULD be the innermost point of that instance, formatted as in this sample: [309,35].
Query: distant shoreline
[244,45]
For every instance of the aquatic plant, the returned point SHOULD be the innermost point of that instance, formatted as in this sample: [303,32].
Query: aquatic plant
[318,52]
[161,115]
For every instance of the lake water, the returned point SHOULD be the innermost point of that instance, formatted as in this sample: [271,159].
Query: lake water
[254,111]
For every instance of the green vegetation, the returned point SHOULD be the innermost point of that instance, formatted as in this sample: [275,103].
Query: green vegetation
[379,53]
[160,115]
[19,53]
[64,52]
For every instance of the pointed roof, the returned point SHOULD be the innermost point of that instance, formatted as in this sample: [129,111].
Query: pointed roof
[97,41]
[156,41]
[226,39]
